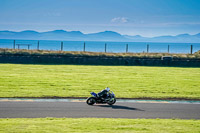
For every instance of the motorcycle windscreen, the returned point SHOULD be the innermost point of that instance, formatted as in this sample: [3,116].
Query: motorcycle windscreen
[94,94]
[113,94]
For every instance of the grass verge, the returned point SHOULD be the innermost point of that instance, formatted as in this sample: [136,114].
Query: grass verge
[18,80]
[196,55]
[98,125]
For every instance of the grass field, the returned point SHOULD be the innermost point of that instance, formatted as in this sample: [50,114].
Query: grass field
[99,125]
[17,80]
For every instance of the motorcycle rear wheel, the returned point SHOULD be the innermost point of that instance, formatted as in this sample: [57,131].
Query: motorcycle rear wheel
[91,101]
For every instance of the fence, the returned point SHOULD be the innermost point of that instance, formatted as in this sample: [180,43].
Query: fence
[115,47]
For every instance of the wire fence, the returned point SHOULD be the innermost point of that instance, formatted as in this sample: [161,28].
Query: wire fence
[114,47]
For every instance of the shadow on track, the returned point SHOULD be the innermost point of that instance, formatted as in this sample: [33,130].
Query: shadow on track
[119,107]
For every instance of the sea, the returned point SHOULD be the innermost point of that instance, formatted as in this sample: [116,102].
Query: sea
[101,46]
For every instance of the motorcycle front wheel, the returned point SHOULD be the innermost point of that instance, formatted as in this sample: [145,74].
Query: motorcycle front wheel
[91,101]
[112,101]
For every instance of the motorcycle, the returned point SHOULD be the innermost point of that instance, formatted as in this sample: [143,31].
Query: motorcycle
[98,100]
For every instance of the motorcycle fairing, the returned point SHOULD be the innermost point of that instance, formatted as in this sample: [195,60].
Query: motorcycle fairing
[94,94]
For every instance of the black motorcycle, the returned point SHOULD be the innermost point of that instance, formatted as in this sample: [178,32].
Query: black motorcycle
[95,99]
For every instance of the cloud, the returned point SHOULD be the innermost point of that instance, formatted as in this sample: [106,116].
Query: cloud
[119,20]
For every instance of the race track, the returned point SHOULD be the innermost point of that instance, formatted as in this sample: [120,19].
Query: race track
[32,109]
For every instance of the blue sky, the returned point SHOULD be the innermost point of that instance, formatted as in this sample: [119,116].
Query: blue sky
[131,17]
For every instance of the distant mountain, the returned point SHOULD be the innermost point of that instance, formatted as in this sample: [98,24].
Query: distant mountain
[100,36]
[62,35]
[197,35]
[182,38]
[137,38]
[106,36]
[19,35]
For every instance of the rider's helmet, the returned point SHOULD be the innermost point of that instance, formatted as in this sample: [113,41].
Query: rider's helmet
[107,88]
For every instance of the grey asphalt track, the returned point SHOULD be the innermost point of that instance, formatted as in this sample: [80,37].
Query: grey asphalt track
[32,109]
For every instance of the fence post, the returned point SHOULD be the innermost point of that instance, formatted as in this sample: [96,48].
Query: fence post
[84,47]
[18,46]
[191,49]
[61,47]
[38,45]
[14,44]
[147,48]
[105,47]
[168,49]
[126,48]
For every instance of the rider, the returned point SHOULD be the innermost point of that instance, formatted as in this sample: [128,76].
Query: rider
[104,93]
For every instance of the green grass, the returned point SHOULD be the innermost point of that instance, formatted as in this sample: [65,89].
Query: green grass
[99,125]
[196,55]
[17,80]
